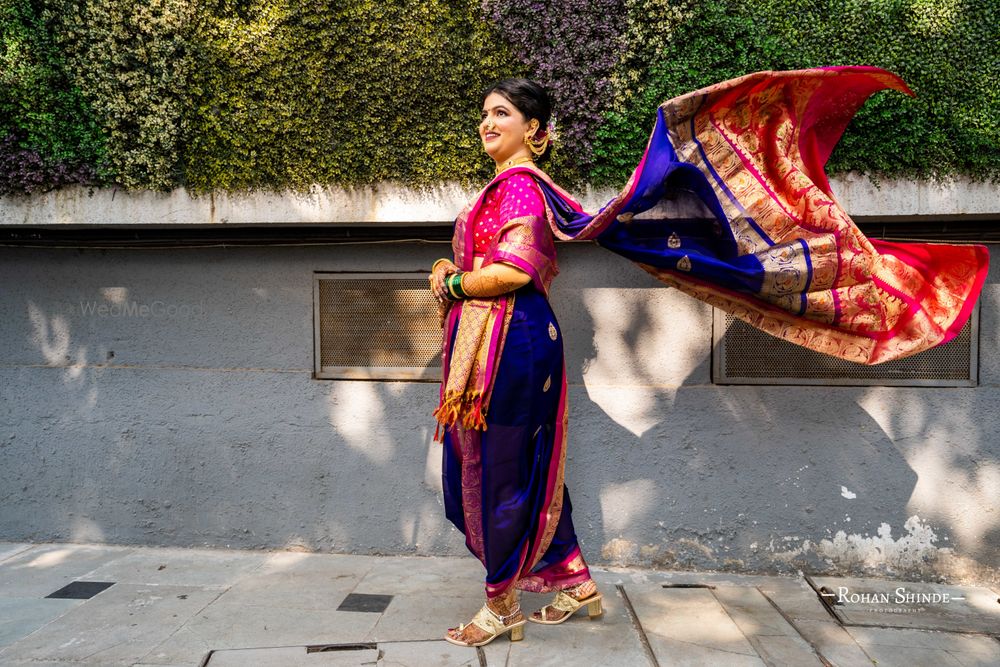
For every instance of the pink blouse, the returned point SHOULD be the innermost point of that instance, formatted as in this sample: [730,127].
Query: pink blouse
[508,223]
[515,197]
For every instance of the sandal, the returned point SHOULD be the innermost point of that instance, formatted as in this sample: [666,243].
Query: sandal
[490,622]
[569,605]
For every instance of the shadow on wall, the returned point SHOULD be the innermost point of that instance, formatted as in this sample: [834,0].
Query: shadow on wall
[184,437]
[885,481]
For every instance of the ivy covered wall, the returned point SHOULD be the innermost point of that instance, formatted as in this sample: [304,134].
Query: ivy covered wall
[254,94]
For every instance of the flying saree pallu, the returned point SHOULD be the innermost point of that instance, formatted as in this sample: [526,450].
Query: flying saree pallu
[781,254]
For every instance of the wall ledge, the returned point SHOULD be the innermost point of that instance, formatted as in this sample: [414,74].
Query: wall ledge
[394,204]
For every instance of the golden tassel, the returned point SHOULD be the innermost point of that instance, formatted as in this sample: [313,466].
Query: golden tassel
[447,413]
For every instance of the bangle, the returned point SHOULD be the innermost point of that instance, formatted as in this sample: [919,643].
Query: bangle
[449,283]
[436,262]
[454,285]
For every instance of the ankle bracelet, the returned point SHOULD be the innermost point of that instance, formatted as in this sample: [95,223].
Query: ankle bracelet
[515,610]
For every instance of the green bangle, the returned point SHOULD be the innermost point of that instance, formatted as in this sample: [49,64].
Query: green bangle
[454,285]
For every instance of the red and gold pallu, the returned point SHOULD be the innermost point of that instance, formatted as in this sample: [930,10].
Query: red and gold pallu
[781,254]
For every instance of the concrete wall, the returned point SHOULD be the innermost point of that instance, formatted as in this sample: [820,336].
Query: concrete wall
[200,424]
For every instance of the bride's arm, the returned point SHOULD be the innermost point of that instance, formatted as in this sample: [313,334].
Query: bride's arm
[493,280]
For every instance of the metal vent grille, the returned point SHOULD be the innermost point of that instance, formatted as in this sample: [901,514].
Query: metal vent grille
[378,326]
[745,355]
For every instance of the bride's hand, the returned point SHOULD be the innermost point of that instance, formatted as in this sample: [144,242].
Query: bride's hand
[437,277]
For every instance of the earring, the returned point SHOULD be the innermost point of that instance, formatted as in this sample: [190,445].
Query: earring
[537,146]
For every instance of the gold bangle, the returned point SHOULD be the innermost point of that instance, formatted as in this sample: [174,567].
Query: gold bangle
[461,283]
[435,264]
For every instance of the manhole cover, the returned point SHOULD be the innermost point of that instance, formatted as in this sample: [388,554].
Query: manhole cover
[81,590]
[365,602]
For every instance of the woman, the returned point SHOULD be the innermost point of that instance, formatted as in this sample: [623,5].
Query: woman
[780,254]
[504,393]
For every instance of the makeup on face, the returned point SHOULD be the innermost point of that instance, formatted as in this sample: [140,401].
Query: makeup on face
[502,128]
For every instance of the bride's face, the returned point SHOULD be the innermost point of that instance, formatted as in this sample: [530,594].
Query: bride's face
[503,128]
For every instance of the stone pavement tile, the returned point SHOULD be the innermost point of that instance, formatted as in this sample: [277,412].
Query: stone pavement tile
[297,586]
[10,549]
[437,653]
[119,625]
[833,642]
[688,626]
[752,612]
[289,591]
[796,599]
[292,656]
[985,658]
[327,565]
[947,641]
[865,601]
[768,632]
[46,568]
[424,576]
[19,617]
[610,639]
[237,626]
[785,651]
[180,567]
[966,649]
[423,617]
[625,575]
[498,652]
[907,656]
[60,663]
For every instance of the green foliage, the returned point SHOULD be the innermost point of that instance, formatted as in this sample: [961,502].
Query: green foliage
[947,54]
[708,42]
[131,61]
[945,51]
[249,94]
[50,128]
[288,94]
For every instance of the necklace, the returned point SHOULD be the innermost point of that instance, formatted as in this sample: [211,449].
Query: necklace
[513,162]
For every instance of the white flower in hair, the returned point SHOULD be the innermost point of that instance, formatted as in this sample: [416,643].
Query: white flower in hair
[550,130]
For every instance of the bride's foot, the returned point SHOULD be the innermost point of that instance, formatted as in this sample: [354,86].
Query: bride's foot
[498,615]
[568,601]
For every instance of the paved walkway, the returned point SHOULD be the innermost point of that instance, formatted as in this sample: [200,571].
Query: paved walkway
[97,605]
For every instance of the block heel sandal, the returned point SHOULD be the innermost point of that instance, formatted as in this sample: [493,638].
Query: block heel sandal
[569,606]
[492,624]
